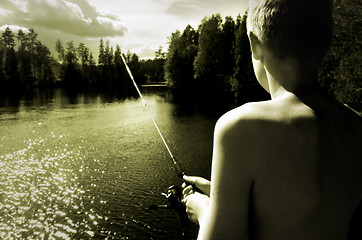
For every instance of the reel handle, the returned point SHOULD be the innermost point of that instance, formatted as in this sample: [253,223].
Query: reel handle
[174,197]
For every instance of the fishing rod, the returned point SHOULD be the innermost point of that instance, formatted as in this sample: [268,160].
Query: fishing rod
[176,165]
[174,192]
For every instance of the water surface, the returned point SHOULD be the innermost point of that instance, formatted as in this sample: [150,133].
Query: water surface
[88,167]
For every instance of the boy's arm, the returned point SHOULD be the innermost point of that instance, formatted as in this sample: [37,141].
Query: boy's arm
[232,179]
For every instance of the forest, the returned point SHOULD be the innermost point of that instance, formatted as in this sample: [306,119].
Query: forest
[75,69]
[211,64]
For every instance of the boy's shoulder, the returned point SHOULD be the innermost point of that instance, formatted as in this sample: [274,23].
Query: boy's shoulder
[267,118]
[247,120]
[252,111]
[266,112]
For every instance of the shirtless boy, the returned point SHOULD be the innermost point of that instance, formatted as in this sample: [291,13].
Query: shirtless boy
[291,167]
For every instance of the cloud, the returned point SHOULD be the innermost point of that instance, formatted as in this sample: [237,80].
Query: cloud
[76,17]
[4,12]
[13,28]
[186,8]
[191,8]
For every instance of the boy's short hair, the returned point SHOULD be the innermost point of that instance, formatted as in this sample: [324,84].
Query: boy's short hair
[293,28]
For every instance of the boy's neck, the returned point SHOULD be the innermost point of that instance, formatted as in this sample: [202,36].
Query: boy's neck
[287,76]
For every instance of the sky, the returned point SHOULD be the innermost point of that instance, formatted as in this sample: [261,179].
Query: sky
[140,26]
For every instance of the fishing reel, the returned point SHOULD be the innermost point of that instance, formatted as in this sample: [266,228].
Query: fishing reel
[174,196]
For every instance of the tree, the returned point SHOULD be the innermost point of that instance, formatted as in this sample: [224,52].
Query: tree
[108,55]
[83,54]
[42,63]
[72,76]
[11,78]
[179,64]
[8,37]
[341,71]
[118,66]
[2,54]
[171,78]
[209,52]
[71,54]
[160,54]
[135,67]
[153,69]
[22,38]
[210,69]
[227,48]
[24,61]
[101,56]
[106,63]
[117,56]
[244,84]
[31,40]
[60,49]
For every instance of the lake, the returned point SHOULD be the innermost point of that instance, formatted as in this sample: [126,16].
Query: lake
[89,166]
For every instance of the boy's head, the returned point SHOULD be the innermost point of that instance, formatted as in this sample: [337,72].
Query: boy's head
[300,29]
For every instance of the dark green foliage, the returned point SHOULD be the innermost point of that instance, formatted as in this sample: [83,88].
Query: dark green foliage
[10,62]
[75,70]
[179,65]
[341,71]
[215,65]
[24,61]
[213,59]
[8,38]
[32,65]
[244,84]
[153,68]
[11,68]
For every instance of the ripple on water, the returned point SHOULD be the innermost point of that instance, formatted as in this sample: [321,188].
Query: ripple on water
[40,196]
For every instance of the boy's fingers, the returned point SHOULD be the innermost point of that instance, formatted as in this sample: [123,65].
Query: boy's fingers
[187,191]
[197,181]
[189,179]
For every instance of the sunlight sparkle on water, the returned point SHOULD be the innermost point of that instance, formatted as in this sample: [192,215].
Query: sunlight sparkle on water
[39,193]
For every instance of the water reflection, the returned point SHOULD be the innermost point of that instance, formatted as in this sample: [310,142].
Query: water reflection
[54,99]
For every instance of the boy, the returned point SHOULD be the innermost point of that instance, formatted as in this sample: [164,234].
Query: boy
[291,167]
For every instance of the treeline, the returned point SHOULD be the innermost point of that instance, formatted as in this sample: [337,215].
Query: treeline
[214,61]
[78,69]
[75,68]
[31,65]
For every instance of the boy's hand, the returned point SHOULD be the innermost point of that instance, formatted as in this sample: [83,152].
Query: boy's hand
[196,203]
[199,182]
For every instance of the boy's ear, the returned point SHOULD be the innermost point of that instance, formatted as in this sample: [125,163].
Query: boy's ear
[255,46]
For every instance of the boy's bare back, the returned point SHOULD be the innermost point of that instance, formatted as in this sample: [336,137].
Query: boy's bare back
[308,169]
[288,168]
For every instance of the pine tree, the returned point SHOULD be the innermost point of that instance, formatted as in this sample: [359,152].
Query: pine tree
[8,37]
[24,61]
[101,56]
[60,49]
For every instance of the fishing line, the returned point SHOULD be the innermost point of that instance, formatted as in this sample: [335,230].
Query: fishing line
[173,193]
[176,165]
